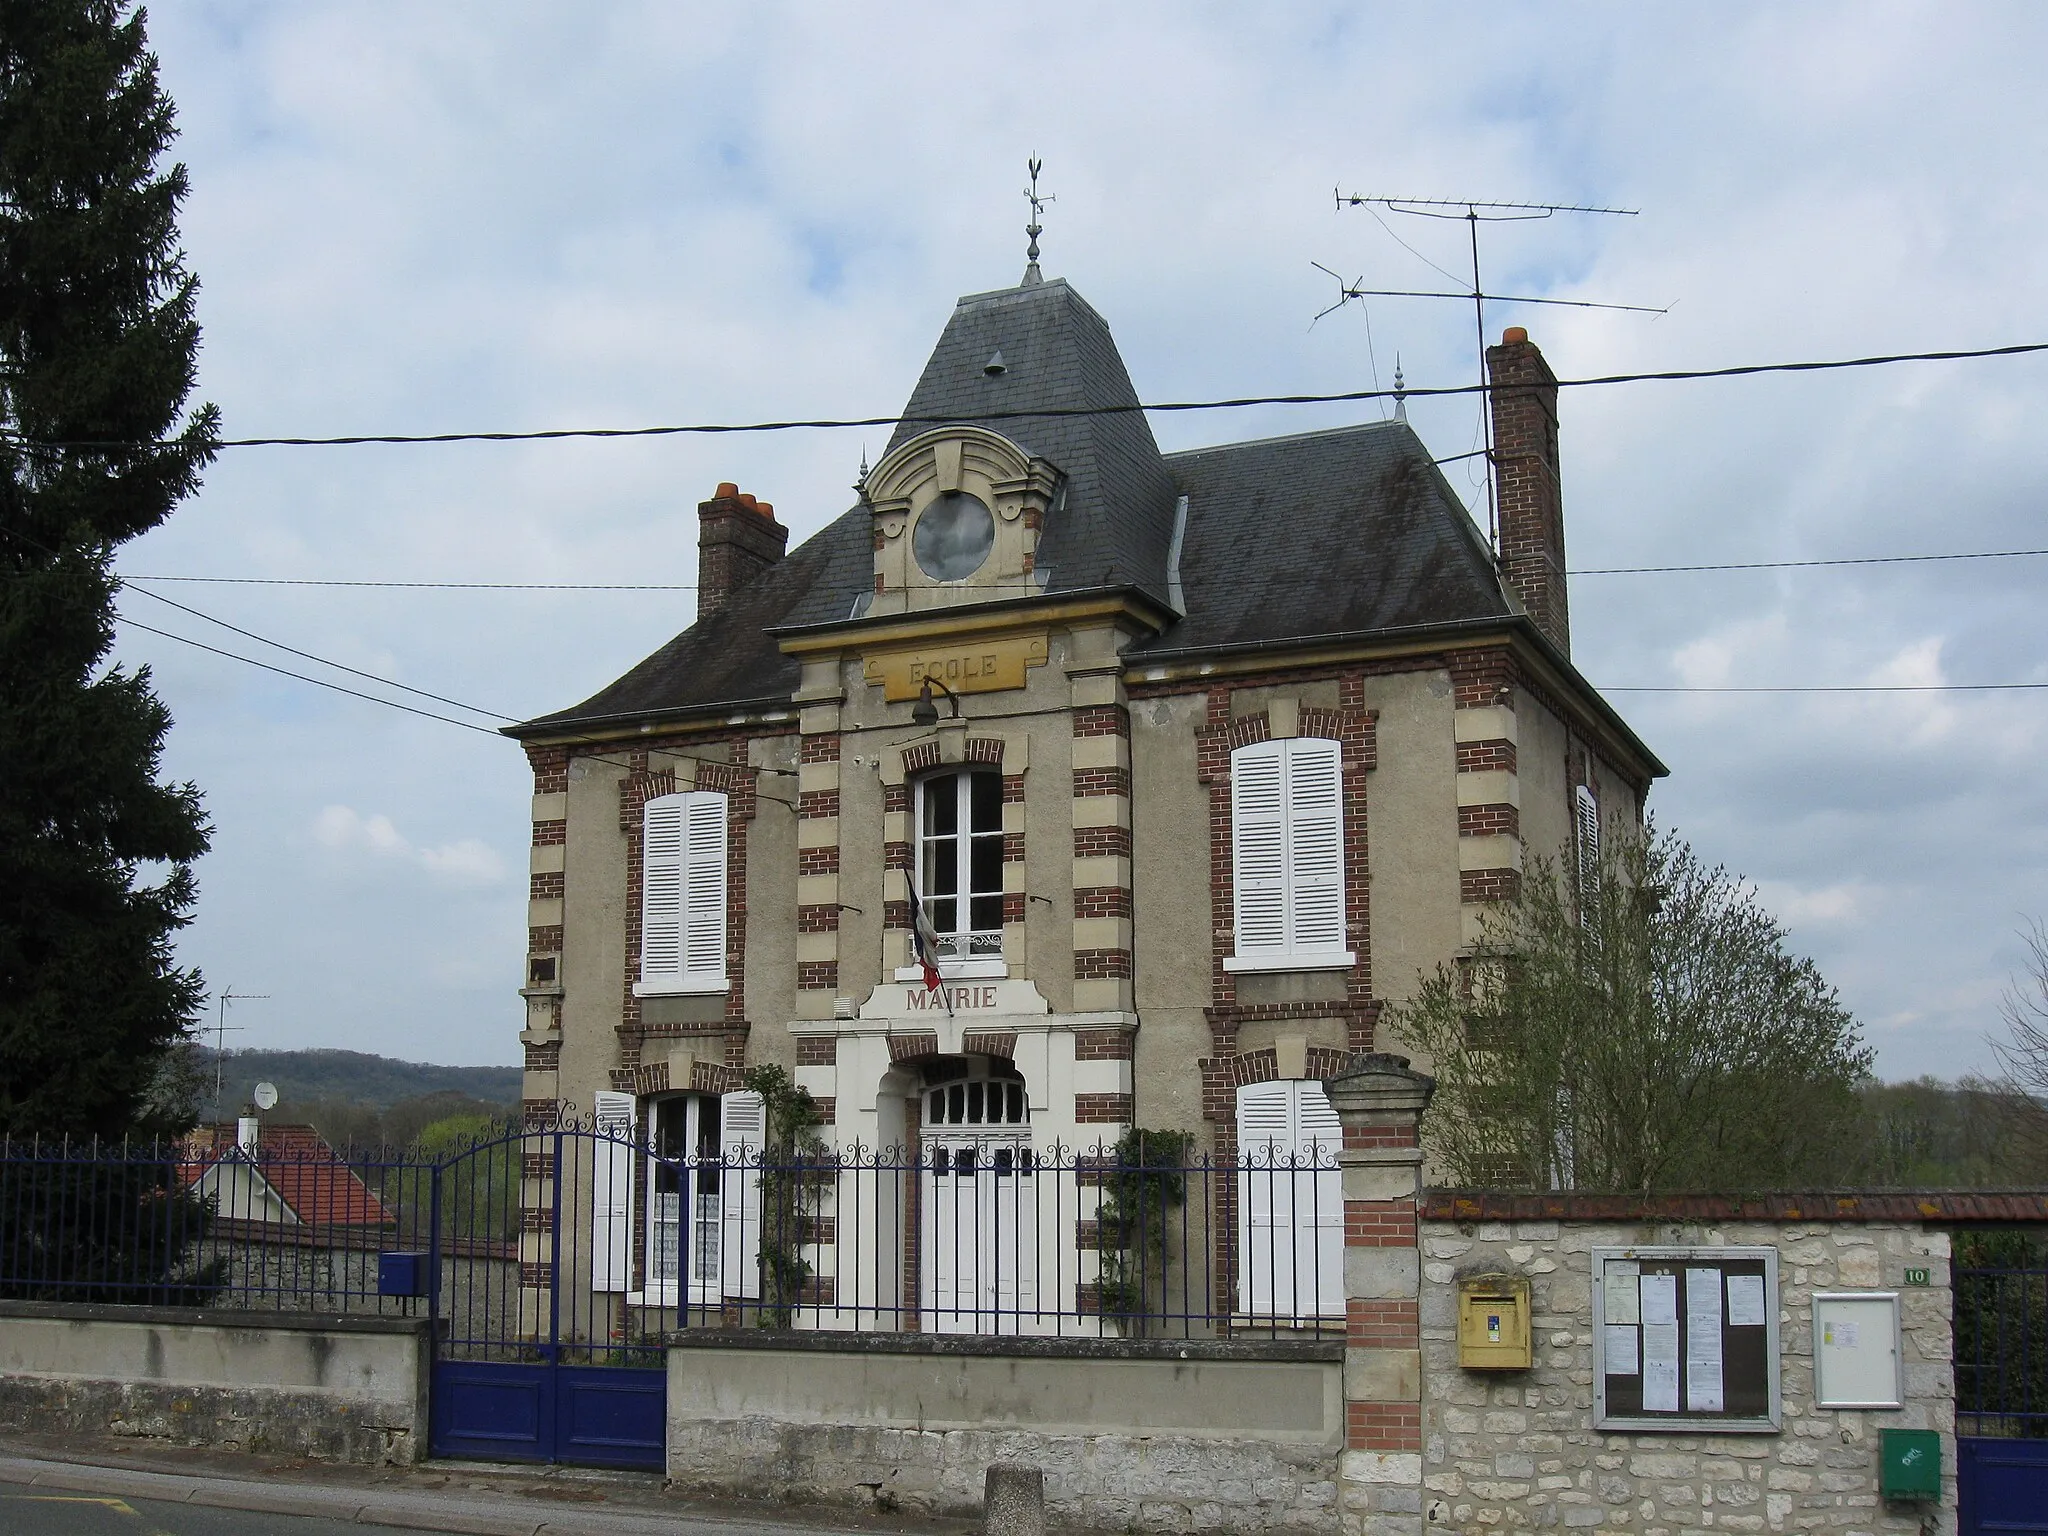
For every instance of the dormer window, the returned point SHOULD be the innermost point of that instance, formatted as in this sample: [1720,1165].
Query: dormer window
[960,868]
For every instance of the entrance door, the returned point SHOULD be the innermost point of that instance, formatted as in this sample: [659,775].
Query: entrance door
[980,1236]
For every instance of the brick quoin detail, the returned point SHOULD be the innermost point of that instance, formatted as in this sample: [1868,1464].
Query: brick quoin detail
[1102,720]
[1091,782]
[1013,847]
[1382,1324]
[544,1058]
[1102,1108]
[1102,842]
[1480,678]
[828,1111]
[550,769]
[822,748]
[1103,1045]
[896,916]
[1013,907]
[1101,964]
[909,1047]
[989,1043]
[817,804]
[1369,1225]
[1486,756]
[546,887]
[1102,901]
[817,975]
[817,1050]
[1013,789]
[1477,885]
[822,918]
[550,834]
[818,861]
[1358,1137]
[896,856]
[1489,820]
[545,940]
[1383,1426]
[896,797]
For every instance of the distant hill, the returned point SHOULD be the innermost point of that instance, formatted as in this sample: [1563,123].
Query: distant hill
[352,1077]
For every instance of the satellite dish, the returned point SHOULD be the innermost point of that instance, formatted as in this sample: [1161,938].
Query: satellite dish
[266,1095]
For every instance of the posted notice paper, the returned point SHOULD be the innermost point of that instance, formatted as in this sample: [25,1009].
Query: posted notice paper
[1660,1361]
[1618,1293]
[1660,1299]
[1703,1385]
[1746,1301]
[1621,1354]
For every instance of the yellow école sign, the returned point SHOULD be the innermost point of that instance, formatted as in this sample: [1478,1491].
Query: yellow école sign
[984,666]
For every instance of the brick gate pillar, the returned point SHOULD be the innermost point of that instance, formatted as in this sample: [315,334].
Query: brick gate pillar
[1380,1103]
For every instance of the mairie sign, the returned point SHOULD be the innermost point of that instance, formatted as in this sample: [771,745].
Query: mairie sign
[968,666]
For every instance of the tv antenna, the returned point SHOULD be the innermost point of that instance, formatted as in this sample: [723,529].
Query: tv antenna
[221,1030]
[1474,212]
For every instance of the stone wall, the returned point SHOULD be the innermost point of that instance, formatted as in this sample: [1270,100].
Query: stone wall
[1516,1450]
[341,1388]
[1132,1435]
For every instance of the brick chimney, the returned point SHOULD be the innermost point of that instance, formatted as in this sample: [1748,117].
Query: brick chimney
[1525,469]
[737,539]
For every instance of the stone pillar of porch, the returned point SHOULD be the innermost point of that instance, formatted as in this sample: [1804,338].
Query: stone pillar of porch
[1380,1103]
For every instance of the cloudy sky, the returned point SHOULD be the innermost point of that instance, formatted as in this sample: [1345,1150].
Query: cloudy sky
[513,216]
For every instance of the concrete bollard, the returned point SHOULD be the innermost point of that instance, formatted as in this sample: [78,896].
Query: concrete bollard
[1013,1500]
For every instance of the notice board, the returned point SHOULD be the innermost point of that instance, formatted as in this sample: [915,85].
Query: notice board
[1685,1339]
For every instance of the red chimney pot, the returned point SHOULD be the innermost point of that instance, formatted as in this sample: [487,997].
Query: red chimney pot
[725,489]
[1514,335]
[766,509]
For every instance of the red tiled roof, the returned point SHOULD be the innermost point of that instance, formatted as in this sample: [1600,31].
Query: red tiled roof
[307,1173]
[1936,1205]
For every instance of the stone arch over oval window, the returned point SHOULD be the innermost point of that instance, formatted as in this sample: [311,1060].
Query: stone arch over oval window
[957,516]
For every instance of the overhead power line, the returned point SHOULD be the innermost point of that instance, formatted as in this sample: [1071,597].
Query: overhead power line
[1240,402]
[680,586]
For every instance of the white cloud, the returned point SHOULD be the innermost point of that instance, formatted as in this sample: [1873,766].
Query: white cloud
[467,862]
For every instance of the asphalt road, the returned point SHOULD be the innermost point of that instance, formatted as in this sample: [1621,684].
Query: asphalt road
[26,1511]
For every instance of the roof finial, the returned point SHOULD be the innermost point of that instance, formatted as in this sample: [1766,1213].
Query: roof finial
[860,486]
[1400,391]
[1031,273]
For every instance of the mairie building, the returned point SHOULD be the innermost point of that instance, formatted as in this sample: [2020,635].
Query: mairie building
[1193,761]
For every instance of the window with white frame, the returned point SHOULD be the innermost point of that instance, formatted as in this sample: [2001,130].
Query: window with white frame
[682,893]
[1290,1201]
[1287,843]
[676,1196]
[960,866]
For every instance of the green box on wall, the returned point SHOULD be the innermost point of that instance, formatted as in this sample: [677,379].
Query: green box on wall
[1910,1463]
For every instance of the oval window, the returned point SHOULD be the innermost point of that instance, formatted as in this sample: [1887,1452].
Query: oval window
[954,535]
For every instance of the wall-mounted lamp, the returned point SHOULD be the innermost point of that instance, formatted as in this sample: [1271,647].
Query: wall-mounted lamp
[925,712]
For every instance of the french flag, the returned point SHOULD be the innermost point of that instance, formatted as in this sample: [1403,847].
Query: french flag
[924,944]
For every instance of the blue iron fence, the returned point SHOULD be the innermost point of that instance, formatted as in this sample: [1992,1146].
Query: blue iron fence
[590,1247]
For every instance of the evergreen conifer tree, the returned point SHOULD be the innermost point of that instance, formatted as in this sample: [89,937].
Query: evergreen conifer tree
[98,343]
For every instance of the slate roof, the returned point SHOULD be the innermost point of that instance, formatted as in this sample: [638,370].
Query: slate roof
[1347,532]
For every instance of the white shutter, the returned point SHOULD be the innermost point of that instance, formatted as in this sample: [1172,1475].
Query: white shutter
[1587,816]
[1315,845]
[611,1192]
[1258,827]
[1319,1231]
[1265,1147]
[743,1119]
[661,889]
[704,891]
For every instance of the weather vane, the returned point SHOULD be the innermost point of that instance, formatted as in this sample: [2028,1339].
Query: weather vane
[1034,229]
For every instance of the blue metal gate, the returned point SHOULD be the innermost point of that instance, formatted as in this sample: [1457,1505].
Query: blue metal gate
[2001,1355]
[553,1356]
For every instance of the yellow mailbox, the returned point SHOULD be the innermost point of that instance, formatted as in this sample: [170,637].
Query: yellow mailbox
[1493,1322]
